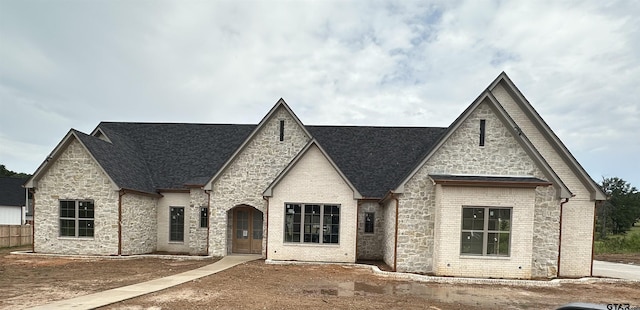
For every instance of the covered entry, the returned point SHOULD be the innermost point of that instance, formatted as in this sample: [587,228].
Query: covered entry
[246,236]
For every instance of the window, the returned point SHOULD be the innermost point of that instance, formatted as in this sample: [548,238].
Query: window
[176,225]
[204,217]
[312,223]
[369,221]
[76,218]
[282,130]
[485,231]
[482,131]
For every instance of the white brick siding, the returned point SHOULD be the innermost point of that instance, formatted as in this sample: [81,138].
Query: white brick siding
[164,212]
[577,229]
[448,260]
[313,180]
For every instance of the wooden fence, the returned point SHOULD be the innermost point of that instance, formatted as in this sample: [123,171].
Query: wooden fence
[15,235]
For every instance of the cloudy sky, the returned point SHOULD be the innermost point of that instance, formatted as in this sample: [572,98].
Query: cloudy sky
[71,64]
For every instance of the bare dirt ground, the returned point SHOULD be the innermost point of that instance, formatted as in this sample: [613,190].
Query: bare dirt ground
[27,281]
[30,281]
[633,258]
[257,285]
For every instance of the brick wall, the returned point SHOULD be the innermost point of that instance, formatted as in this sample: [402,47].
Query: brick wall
[449,261]
[313,180]
[577,229]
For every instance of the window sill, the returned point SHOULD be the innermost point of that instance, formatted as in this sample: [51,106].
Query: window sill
[77,238]
[485,257]
[314,245]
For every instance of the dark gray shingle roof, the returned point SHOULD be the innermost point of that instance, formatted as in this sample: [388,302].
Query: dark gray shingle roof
[11,191]
[376,159]
[152,156]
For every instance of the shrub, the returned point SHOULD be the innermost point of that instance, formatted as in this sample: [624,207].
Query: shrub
[626,244]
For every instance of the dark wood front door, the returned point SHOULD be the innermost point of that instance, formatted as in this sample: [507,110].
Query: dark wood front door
[247,231]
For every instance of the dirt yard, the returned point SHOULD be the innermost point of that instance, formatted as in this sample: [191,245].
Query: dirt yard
[30,281]
[620,258]
[27,281]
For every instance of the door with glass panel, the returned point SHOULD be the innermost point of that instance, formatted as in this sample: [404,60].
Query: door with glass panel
[247,231]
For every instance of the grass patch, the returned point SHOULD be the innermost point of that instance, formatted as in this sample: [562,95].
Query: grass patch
[620,244]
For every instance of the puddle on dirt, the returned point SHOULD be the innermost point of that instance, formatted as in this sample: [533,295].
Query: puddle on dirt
[477,296]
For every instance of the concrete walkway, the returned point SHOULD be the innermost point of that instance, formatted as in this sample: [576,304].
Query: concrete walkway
[616,270]
[104,298]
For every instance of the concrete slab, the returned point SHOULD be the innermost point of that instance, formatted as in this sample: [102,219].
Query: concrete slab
[108,297]
[616,270]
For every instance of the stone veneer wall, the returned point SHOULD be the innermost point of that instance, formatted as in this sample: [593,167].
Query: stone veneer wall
[197,236]
[139,224]
[370,244]
[389,232]
[578,217]
[75,175]
[243,182]
[461,154]
[546,233]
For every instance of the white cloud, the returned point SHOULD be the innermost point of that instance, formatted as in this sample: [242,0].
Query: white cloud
[71,64]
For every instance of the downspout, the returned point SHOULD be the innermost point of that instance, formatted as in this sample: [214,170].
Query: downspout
[395,250]
[265,234]
[560,233]
[120,194]
[33,221]
[208,217]
[593,236]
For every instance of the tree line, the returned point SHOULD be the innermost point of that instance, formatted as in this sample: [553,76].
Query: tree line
[4,172]
[621,210]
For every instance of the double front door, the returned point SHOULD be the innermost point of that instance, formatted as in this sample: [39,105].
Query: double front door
[247,231]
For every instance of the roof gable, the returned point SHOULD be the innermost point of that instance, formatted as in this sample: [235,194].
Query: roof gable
[171,155]
[281,104]
[549,135]
[58,150]
[487,97]
[313,143]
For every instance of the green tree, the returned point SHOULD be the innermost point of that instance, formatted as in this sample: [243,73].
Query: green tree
[4,172]
[621,209]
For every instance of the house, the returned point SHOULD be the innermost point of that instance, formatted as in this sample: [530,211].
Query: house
[495,194]
[12,201]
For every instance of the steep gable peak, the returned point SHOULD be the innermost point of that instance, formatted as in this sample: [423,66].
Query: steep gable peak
[487,98]
[280,105]
[505,82]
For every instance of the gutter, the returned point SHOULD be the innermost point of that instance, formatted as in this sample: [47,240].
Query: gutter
[593,236]
[560,234]
[265,233]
